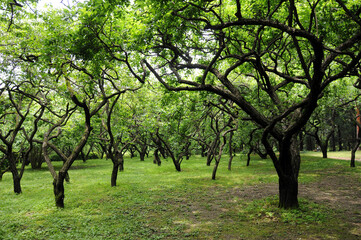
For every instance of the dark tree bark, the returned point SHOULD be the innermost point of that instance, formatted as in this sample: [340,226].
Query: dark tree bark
[230,151]
[36,158]
[357,137]
[218,157]
[353,152]
[16,176]
[301,136]
[203,150]
[333,142]
[58,184]
[310,145]
[339,138]
[114,176]
[159,141]
[289,163]
[157,158]
[143,152]
[249,155]
[120,158]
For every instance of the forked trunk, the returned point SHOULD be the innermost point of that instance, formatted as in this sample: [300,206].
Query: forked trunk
[118,165]
[289,160]
[59,189]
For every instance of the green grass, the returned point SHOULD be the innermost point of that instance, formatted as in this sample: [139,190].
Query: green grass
[152,202]
[336,154]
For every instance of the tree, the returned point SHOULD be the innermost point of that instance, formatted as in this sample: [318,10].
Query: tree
[271,58]
[116,144]
[174,126]
[14,111]
[10,9]
[322,127]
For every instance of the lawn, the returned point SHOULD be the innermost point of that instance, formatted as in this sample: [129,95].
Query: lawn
[334,155]
[152,202]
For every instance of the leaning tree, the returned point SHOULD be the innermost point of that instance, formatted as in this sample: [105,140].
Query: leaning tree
[81,79]
[273,59]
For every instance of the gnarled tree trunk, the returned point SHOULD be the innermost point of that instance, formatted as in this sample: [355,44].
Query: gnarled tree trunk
[58,184]
[157,158]
[14,172]
[289,162]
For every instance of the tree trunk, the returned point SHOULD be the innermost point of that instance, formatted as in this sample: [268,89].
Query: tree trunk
[114,175]
[333,142]
[59,189]
[339,138]
[353,152]
[301,136]
[82,155]
[249,155]
[324,150]
[215,169]
[15,173]
[16,181]
[230,151]
[143,152]
[120,160]
[288,191]
[310,145]
[203,150]
[157,158]
[212,151]
[177,166]
[289,160]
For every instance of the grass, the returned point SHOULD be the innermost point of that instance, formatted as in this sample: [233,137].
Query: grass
[335,155]
[152,202]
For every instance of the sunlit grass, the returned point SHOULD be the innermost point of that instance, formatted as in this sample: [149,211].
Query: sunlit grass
[152,202]
[336,154]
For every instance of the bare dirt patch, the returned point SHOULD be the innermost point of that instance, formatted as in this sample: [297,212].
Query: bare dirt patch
[339,192]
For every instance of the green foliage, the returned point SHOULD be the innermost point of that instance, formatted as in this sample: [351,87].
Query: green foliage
[4,163]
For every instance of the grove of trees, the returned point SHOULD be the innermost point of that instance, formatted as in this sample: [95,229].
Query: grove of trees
[175,78]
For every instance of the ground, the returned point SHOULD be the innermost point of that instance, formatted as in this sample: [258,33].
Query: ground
[336,191]
[339,192]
